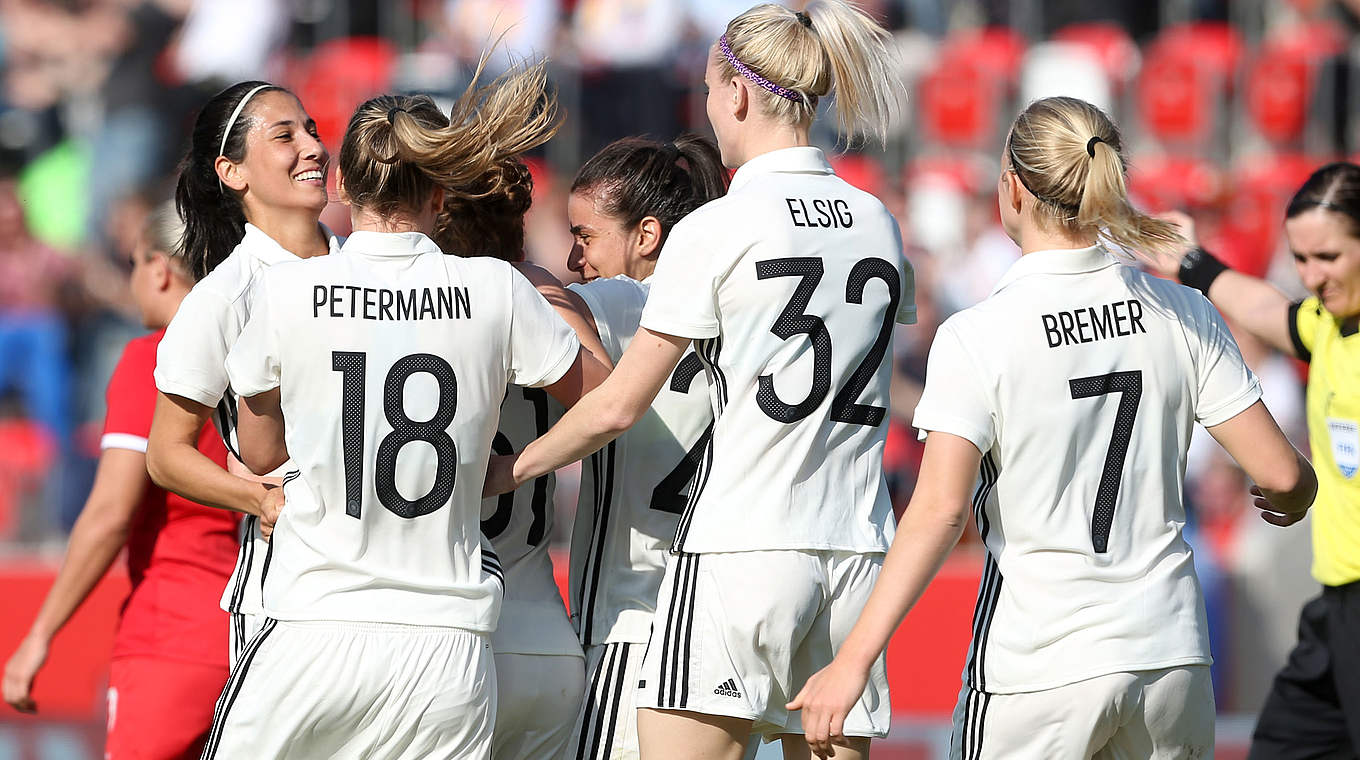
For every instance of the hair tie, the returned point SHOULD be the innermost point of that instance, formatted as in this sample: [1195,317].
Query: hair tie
[803,19]
[231,122]
[670,152]
[1091,145]
[755,78]
[392,114]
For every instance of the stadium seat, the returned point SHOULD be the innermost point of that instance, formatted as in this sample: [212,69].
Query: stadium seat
[1283,81]
[1110,44]
[1166,182]
[1261,189]
[339,75]
[963,97]
[1188,73]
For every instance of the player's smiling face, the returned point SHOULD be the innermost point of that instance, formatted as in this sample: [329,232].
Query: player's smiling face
[1327,254]
[285,162]
[600,245]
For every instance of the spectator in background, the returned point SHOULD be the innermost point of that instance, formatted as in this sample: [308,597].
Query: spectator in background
[626,49]
[170,651]
[33,333]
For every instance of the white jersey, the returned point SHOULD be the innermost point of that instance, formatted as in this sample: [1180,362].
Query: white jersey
[791,285]
[1079,380]
[519,525]
[634,490]
[392,360]
[192,362]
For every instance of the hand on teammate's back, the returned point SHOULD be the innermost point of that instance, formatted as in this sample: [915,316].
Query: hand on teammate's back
[22,668]
[270,505]
[825,700]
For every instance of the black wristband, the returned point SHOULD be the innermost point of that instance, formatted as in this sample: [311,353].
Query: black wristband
[1199,269]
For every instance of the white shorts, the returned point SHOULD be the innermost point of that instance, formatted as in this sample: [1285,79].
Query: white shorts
[305,690]
[243,627]
[1166,714]
[539,696]
[738,634]
[606,728]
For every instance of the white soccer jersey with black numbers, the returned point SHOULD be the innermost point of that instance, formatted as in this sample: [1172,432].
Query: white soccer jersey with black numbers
[519,525]
[392,360]
[192,362]
[790,285]
[633,490]
[1079,379]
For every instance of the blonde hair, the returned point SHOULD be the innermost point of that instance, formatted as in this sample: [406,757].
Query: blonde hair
[399,148]
[1067,153]
[164,233]
[838,47]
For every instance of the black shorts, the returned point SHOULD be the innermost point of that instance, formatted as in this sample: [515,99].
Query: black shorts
[1313,710]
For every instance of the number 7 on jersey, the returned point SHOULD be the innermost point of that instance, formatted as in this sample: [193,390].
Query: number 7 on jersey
[1129,386]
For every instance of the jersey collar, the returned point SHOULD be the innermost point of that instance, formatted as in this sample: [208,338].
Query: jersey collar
[268,251]
[1068,261]
[389,243]
[802,160]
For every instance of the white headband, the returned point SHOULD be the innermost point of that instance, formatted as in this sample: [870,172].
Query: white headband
[231,122]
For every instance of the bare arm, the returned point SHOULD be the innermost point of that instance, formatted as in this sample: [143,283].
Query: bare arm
[572,308]
[259,428]
[929,529]
[1285,481]
[599,417]
[176,464]
[1248,302]
[98,536]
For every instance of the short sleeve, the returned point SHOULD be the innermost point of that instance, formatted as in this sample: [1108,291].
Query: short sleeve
[616,306]
[953,401]
[1304,318]
[541,347]
[253,364]
[1226,385]
[191,360]
[684,288]
[131,398]
[906,304]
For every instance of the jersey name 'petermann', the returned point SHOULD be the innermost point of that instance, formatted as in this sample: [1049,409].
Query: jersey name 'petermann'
[1093,323]
[384,305]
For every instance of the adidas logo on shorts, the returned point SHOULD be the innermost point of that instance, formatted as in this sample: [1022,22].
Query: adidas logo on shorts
[727,688]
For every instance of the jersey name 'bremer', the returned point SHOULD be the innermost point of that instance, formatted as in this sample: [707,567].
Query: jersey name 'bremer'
[385,305]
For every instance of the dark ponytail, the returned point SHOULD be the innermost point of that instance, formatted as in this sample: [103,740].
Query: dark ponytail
[214,219]
[1334,187]
[491,221]
[636,177]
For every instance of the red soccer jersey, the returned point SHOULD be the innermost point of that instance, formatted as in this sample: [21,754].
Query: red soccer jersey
[180,554]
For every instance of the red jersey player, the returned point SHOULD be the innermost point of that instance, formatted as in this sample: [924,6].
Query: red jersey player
[170,651]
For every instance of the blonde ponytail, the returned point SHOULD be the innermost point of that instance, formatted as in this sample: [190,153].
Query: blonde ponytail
[398,148]
[1067,153]
[831,47]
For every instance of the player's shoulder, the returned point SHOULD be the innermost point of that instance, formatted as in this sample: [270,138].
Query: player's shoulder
[607,288]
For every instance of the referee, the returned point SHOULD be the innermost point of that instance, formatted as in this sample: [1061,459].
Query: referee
[1314,705]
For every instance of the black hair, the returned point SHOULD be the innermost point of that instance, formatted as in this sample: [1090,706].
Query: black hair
[490,224]
[1334,187]
[637,177]
[214,219]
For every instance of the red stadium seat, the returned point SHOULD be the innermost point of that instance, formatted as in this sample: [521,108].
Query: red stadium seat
[861,171]
[1283,79]
[338,76]
[1217,47]
[1255,211]
[1176,100]
[963,172]
[996,50]
[960,104]
[1111,45]
[1170,182]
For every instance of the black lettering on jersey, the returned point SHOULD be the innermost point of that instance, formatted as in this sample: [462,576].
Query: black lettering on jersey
[830,214]
[1092,323]
[383,305]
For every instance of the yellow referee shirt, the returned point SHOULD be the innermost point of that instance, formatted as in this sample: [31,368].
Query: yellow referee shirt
[1333,356]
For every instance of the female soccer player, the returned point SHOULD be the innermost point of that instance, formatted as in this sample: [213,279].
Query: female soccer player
[624,202]
[250,190]
[170,651]
[540,674]
[1314,706]
[381,371]
[1072,390]
[791,283]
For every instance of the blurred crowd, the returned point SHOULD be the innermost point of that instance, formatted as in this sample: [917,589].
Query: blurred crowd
[1226,107]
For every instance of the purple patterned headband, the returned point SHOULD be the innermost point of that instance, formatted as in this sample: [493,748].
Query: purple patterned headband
[746,71]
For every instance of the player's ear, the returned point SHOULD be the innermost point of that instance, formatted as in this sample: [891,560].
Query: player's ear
[230,174]
[1013,190]
[740,99]
[648,237]
[340,193]
[161,273]
[436,201]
